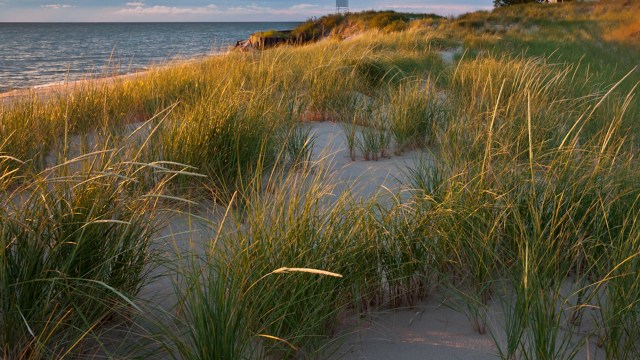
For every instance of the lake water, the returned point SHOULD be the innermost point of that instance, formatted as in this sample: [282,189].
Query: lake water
[37,54]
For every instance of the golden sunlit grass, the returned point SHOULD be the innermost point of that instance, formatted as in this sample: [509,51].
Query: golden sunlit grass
[532,200]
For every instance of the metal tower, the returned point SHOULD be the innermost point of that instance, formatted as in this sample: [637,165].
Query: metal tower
[342,6]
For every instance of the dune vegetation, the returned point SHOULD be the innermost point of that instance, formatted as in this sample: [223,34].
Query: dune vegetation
[528,196]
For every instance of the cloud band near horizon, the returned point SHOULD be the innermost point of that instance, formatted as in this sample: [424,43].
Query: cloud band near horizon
[210,10]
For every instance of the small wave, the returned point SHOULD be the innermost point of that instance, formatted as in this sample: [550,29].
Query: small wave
[57,83]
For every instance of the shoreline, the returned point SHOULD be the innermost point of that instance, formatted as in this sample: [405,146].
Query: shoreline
[60,87]
[113,51]
[43,91]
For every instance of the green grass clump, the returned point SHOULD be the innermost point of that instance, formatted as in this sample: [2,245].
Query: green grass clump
[413,113]
[299,145]
[223,139]
[233,301]
[270,33]
[75,250]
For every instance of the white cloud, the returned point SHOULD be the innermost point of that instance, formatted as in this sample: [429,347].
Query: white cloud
[56,6]
[441,9]
[252,12]
[295,10]
[168,10]
[253,8]
[135,3]
[303,6]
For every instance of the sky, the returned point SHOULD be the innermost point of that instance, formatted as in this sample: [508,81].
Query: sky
[211,10]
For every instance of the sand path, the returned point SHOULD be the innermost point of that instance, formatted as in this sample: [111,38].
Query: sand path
[430,331]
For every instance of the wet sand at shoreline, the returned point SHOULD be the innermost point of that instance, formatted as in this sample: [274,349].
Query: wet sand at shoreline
[46,91]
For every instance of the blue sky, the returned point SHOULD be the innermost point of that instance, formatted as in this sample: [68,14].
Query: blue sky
[211,10]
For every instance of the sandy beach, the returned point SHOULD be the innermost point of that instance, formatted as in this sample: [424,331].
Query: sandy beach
[47,91]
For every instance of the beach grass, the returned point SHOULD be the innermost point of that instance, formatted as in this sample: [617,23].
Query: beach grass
[75,251]
[527,194]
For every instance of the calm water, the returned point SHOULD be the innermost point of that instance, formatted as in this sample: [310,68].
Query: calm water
[39,54]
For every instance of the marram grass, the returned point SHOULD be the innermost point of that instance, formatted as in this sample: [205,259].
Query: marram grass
[531,200]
